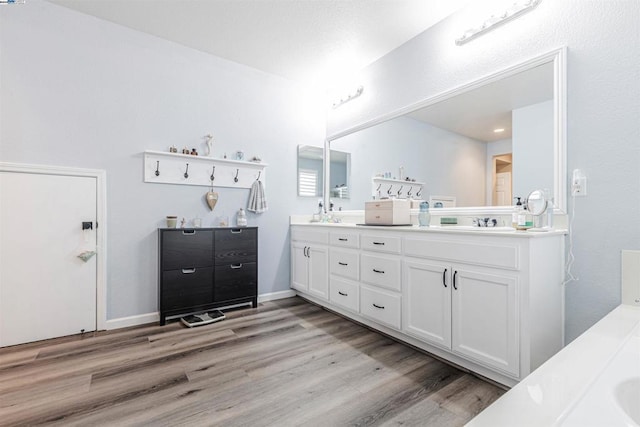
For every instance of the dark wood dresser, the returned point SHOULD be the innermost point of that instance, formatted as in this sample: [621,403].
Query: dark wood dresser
[206,268]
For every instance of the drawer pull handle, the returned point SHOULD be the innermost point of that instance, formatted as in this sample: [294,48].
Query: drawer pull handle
[378,271]
[188,232]
[343,263]
[378,243]
[343,239]
[236,230]
[381,307]
[343,294]
[236,266]
[444,275]
[188,270]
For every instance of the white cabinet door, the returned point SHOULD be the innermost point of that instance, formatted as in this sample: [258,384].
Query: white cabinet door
[318,257]
[299,266]
[485,318]
[426,293]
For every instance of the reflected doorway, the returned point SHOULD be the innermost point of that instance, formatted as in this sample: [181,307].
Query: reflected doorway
[502,171]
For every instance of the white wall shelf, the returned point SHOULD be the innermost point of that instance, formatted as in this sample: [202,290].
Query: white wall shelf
[172,167]
[401,189]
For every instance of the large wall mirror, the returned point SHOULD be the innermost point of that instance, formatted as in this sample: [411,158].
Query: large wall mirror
[481,145]
[311,172]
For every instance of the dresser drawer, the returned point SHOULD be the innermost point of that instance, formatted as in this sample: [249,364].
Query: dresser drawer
[380,243]
[344,293]
[344,263]
[186,288]
[346,240]
[186,248]
[235,281]
[381,270]
[380,305]
[236,245]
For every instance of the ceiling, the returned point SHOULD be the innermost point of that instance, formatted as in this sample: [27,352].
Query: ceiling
[315,41]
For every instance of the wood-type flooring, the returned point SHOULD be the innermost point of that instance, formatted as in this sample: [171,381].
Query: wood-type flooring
[285,363]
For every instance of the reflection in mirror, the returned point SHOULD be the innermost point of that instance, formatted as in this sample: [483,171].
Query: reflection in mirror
[482,146]
[310,172]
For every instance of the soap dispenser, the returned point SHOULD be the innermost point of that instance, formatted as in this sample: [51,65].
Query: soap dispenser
[518,214]
[241,218]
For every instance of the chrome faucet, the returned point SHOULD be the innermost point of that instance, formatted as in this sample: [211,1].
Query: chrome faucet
[484,222]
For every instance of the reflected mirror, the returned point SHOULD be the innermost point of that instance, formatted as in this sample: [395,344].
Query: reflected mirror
[480,145]
[310,172]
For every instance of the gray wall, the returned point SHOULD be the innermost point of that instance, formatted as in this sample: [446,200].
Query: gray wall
[81,92]
[603,40]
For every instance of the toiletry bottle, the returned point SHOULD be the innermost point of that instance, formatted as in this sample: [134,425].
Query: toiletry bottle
[517,212]
[241,218]
[424,217]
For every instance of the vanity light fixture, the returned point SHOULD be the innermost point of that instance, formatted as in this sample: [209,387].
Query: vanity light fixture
[518,8]
[348,97]
[12,1]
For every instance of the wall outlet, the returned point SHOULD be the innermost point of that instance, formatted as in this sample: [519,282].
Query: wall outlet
[578,183]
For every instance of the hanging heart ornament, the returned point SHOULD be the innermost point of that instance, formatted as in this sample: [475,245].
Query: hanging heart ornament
[212,199]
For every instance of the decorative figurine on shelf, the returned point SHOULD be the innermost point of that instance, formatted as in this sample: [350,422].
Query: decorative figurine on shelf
[194,152]
[256,159]
[239,155]
[208,139]
[185,150]
[173,149]
[183,223]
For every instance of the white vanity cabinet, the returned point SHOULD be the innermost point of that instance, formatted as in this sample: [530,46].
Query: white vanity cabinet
[490,302]
[310,262]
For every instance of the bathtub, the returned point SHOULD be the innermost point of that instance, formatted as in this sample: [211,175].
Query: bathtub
[593,381]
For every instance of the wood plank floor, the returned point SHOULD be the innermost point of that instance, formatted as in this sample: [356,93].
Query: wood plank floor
[288,362]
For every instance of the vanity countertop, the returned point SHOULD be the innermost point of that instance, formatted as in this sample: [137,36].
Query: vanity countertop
[456,229]
[592,381]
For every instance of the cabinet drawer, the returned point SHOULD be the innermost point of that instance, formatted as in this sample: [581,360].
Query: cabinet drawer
[186,288]
[346,240]
[378,243]
[380,270]
[235,281]
[344,263]
[344,293]
[310,236]
[380,305]
[236,245]
[186,248]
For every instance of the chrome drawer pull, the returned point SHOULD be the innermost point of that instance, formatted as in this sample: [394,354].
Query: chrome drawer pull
[188,232]
[343,294]
[236,266]
[343,263]
[379,306]
[378,243]
[236,231]
[343,240]
[188,270]
[378,271]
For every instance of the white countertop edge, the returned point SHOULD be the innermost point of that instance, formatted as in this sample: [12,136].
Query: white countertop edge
[547,395]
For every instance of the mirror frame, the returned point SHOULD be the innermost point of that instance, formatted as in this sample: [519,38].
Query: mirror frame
[559,59]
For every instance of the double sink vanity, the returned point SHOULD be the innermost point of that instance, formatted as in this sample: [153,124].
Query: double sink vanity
[490,301]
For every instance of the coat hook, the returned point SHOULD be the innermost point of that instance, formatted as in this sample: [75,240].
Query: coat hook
[409,192]
[389,190]
[157,167]
[186,172]
[400,190]
[258,178]
[418,193]
[379,185]
[235,179]
[212,173]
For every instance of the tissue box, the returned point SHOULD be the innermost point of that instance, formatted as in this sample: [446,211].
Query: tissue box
[387,212]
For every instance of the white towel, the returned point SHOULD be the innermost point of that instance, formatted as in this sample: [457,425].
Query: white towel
[257,199]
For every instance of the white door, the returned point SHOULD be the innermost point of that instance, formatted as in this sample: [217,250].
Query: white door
[318,271]
[484,319]
[427,301]
[502,194]
[299,266]
[46,291]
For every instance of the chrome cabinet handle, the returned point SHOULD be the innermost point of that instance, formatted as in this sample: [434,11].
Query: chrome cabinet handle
[378,271]
[444,275]
[343,294]
[188,270]
[381,307]
[236,266]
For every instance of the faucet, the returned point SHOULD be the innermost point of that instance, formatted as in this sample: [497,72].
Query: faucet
[484,222]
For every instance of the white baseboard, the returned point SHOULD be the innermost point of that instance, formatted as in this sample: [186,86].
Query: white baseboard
[276,295]
[142,319]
